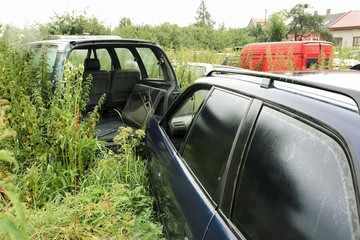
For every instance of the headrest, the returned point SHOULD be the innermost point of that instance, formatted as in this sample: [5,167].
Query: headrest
[91,64]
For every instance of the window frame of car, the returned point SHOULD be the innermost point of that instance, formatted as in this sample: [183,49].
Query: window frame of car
[216,197]
[163,123]
[209,113]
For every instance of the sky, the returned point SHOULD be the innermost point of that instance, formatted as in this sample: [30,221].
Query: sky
[231,13]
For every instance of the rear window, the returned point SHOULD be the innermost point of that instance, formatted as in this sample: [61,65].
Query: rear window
[46,53]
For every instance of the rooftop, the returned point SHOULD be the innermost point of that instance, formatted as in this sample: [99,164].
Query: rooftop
[350,19]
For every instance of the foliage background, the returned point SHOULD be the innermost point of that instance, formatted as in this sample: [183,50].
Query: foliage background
[203,34]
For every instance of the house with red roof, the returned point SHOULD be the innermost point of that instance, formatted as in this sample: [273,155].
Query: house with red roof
[346,29]
[256,21]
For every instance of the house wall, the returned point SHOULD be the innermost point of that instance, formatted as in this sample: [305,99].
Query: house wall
[346,35]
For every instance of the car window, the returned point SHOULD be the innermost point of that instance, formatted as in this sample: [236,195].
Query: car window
[295,183]
[209,142]
[104,58]
[77,57]
[126,58]
[49,52]
[151,63]
[180,122]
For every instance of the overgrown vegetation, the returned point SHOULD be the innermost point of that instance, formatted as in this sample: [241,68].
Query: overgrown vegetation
[56,179]
[12,215]
[182,58]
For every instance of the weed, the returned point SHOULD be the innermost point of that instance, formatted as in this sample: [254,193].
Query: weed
[12,216]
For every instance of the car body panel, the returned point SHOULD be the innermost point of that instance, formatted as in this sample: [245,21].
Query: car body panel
[218,229]
[179,213]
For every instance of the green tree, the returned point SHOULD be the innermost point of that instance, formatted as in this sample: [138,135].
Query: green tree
[169,35]
[17,37]
[203,17]
[238,37]
[326,35]
[75,24]
[303,23]
[124,22]
[275,28]
[257,32]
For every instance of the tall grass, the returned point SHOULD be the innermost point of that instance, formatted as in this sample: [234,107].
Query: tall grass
[193,55]
[181,59]
[68,185]
[53,143]
[12,215]
[112,201]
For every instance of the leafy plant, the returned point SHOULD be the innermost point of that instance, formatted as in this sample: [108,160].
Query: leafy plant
[53,137]
[12,215]
[184,74]
[113,200]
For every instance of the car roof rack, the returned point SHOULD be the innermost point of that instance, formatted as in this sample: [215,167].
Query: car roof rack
[269,78]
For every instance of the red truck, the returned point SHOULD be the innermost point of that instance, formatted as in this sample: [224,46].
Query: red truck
[287,55]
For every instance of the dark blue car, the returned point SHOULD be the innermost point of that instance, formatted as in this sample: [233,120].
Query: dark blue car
[251,155]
